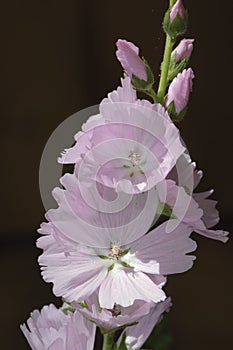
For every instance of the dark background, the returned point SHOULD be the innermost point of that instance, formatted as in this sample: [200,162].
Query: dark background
[59,57]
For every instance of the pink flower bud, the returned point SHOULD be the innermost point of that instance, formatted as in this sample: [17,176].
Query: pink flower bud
[180,89]
[178,8]
[184,49]
[128,55]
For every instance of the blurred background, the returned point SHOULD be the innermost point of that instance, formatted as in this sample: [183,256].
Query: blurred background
[58,57]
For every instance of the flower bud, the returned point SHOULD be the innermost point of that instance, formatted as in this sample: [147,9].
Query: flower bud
[175,20]
[177,9]
[178,94]
[128,55]
[183,50]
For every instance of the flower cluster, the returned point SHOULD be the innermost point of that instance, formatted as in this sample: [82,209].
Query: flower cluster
[126,213]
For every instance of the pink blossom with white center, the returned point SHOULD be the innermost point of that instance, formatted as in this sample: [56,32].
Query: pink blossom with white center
[121,264]
[52,329]
[180,89]
[138,334]
[130,147]
[183,50]
[118,316]
[195,209]
[128,55]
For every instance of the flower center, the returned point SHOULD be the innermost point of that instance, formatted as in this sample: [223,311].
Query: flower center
[116,251]
[116,311]
[134,158]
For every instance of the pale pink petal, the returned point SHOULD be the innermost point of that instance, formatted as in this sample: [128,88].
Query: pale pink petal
[128,55]
[166,246]
[123,288]
[184,207]
[219,235]
[138,334]
[180,89]
[110,319]
[75,275]
[124,93]
[177,9]
[130,218]
[184,49]
[52,329]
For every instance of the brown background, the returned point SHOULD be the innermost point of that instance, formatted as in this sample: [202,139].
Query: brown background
[59,57]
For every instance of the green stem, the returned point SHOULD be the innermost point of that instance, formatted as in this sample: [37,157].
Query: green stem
[164,69]
[108,341]
[152,94]
[172,2]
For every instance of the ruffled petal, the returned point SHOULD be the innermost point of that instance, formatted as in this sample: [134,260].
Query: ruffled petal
[123,288]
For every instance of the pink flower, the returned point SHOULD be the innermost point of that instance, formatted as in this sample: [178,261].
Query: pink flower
[121,263]
[210,217]
[129,147]
[180,89]
[128,55]
[52,329]
[184,49]
[118,316]
[194,209]
[177,9]
[138,334]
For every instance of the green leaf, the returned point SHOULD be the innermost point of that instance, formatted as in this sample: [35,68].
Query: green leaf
[161,337]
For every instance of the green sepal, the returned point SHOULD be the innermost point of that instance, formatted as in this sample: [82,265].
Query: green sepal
[171,109]
[69,308]
[144,85]
[149,73]
[122,345]
[83,304]
[176,67]
[164,209]
[172,2]
[177,27]
[173,114]
[181,115]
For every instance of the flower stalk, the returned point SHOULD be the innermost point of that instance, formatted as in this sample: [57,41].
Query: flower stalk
[165,68]
[108,341]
